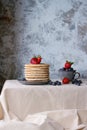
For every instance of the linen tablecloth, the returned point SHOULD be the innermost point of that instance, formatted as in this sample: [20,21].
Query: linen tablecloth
[43,107]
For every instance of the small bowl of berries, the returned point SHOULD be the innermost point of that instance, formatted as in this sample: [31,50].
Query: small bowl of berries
[68,72]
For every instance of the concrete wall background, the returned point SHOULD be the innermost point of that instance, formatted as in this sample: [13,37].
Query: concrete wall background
[54,29]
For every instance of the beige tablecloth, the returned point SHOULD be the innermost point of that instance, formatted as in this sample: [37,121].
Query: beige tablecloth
[43,107]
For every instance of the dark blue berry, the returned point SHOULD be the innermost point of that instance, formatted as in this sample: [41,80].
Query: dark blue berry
[73,82]
[80,81]
[76,82]
[64,68]
[70,69]
[58,83]
[67,69]
[54,83]
[23,79]
[50,82]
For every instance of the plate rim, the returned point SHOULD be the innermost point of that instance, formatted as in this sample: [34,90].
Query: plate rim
[25,82]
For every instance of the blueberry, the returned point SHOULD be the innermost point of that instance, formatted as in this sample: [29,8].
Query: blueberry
[67,69]
[64,68]
[54,83]
[76,82]
[73,82]
[23,79]
[59,83]
[80,81]
[50,82]
[70,69]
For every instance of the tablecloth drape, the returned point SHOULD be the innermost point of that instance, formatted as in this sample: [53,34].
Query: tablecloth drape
[43,107]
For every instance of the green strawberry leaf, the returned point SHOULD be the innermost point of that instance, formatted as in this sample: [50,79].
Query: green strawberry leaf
[39,56]
[69,62]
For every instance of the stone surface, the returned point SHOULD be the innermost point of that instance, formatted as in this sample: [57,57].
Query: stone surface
[54,29]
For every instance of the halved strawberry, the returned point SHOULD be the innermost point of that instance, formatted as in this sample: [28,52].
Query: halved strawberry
[39,58]
[65,80]
[68,64]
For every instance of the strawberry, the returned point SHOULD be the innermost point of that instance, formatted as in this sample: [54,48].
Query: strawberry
[65,80]
[34,60]
[68,64]
[39,58]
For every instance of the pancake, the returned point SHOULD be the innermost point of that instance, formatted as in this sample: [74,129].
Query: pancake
[36,72]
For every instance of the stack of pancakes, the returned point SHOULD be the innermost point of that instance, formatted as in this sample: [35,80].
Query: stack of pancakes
[36,72]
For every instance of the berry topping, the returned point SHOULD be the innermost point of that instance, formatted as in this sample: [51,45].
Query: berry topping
[68,64]
[65,80]
[39,58]
[36,60]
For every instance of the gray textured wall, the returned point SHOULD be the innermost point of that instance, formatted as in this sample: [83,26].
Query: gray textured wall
[54,29]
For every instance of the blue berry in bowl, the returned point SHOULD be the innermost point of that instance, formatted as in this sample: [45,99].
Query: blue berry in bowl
[70,69]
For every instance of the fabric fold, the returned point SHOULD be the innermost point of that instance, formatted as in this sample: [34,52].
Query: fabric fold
[43,108]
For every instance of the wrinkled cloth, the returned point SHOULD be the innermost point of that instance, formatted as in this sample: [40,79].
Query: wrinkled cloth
[43,107]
